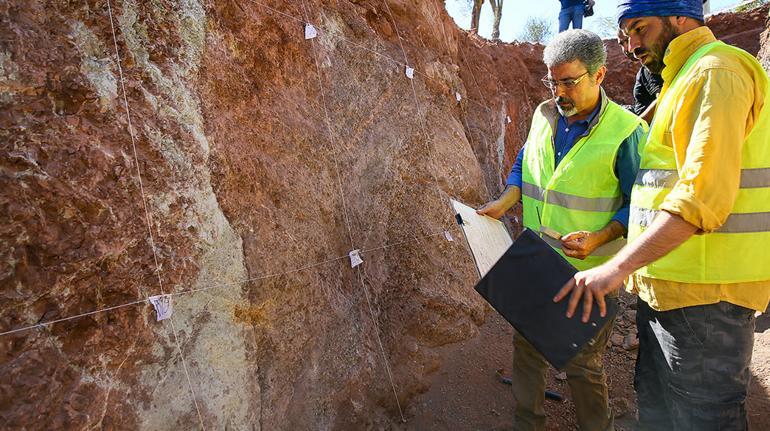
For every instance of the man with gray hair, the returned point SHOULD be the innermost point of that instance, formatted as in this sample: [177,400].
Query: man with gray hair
[574,177]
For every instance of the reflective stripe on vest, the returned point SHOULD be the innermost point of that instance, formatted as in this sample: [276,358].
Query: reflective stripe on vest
[735,223]
[666,178]
[571,201]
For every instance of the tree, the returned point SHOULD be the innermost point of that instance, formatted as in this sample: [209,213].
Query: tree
[747,6]
[536,30]
[497,9]
[605,26]
[476,15]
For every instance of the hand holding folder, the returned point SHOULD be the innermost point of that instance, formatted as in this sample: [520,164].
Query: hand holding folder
[521,287]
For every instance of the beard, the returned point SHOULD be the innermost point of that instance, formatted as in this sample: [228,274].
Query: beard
[568,109]
[653,56]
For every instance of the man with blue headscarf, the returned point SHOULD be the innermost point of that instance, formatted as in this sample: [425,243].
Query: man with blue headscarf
[699,224]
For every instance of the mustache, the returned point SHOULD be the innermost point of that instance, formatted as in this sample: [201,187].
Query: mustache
[640,51]
[563,101]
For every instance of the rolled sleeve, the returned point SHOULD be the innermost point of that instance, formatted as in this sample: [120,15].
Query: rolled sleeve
[707,134]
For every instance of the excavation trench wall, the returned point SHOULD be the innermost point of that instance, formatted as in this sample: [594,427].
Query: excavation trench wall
[264,159]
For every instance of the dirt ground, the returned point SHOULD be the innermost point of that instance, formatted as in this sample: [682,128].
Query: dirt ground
[466,393]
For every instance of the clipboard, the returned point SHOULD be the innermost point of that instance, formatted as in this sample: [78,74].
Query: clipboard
[487,237]
[521,287]
[519,280]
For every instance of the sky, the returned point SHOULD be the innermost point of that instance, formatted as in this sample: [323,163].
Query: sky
[516,14]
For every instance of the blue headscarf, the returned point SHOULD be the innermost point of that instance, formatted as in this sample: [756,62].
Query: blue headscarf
[636,8]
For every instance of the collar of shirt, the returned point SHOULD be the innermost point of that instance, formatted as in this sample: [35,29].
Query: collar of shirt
[567,134]
[681,48]
[581,125]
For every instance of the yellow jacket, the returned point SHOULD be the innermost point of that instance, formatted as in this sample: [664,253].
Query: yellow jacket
[714,116]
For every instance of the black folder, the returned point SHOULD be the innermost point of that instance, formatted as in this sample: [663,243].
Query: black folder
[521,287]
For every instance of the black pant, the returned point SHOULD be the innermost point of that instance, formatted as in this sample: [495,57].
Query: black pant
[692,371]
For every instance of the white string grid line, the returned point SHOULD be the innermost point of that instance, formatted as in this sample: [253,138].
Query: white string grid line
[329,130]
[147,211]
[437,11]
[365,288]
[473,76]
[426,136]
[358,269]
[148,216]
[216,286]
[322,30]
[9,332]
[206,288]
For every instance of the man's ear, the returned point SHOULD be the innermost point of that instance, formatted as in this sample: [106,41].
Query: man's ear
[599,76]
[678,21]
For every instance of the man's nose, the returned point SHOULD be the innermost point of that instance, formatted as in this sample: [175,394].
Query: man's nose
[633,43]
[558,91]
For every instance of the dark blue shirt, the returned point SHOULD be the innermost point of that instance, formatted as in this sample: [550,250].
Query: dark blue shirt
[569,3]
[626,163]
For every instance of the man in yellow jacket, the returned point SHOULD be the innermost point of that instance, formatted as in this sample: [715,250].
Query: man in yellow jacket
[574,176]
[699,223]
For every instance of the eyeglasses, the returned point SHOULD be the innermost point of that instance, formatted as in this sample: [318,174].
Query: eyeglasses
[566,83]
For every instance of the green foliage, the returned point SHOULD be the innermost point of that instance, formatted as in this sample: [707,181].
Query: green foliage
[536,30]
[745,7]
[605,26]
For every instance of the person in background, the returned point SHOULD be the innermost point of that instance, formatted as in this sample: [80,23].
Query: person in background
[646,88]
[571,12]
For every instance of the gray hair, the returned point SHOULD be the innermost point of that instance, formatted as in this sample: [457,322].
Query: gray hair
[574,45]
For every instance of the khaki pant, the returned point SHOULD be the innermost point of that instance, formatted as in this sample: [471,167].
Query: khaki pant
[586,378]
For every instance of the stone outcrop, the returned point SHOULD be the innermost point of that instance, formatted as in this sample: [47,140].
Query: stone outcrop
[764,51]
[252,165]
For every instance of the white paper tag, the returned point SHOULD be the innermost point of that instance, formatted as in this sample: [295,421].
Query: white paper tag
[310,32]
[448,236]
[355,258]
[409,72]
[163,306]
[508,119]
[458,96]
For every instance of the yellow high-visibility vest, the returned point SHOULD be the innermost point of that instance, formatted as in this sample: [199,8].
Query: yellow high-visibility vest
[735,252]
[583,192]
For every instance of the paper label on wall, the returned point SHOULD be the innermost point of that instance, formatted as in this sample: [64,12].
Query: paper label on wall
[508,119]
[355,258]
[448,236]
[310,31]
[163,306]
[458,96]
[409,72]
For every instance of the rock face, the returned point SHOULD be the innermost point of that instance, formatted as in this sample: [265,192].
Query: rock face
[264,159]
[764,51]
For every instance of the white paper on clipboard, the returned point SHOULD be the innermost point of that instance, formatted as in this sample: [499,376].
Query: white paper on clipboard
[488,238]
